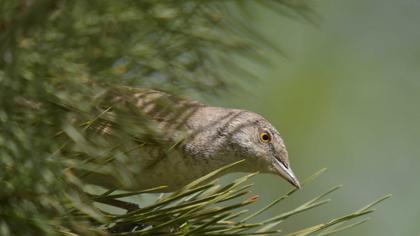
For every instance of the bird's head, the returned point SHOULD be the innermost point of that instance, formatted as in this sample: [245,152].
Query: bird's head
[261,145]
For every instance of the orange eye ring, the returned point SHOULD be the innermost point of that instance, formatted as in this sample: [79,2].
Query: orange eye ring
[265,137]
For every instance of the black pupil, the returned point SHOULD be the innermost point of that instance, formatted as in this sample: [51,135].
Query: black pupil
[265,137]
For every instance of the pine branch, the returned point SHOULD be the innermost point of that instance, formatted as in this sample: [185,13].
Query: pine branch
[203,215]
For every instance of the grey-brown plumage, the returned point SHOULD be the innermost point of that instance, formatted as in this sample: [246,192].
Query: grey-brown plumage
[203,139]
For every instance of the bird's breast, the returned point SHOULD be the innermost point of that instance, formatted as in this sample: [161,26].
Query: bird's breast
[175,169]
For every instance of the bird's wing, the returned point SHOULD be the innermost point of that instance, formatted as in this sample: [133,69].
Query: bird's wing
[158,120]
[154,126]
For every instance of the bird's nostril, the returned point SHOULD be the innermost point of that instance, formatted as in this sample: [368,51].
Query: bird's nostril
[285,164]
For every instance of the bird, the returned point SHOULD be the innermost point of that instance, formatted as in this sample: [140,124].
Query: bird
[194,139]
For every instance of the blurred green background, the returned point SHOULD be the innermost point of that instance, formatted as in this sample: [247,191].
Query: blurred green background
[346,96]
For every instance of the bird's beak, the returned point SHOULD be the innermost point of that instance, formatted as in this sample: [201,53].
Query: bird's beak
[286,173]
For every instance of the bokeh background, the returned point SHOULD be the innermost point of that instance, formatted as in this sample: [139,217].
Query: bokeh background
[346,96]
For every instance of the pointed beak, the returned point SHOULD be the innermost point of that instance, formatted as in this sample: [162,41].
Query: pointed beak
[286,173]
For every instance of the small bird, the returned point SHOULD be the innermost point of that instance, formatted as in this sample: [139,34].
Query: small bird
[204,138]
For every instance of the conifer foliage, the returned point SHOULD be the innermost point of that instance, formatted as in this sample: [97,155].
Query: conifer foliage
[62,63]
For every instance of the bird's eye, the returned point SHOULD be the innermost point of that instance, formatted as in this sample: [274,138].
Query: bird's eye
[265,136]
